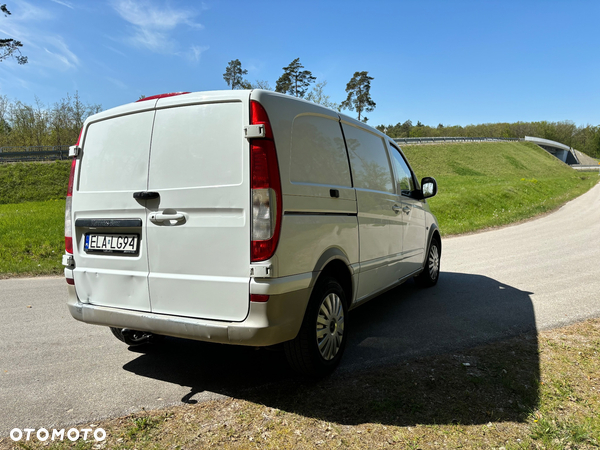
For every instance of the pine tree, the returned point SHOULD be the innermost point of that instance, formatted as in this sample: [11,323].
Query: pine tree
[234,74]
[294,80]
[359,97]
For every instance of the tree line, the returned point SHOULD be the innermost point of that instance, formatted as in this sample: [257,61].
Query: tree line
[39,124]
[583,138]
[296,81]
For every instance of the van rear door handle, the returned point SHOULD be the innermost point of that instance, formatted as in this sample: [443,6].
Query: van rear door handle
[145,195]
[396,209]
[407,209]
[162,217]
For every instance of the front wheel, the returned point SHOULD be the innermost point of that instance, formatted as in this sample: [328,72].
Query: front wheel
[431,272]
[318,348]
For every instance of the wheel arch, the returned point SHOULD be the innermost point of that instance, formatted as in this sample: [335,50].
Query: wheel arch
[335,263]
[434,232]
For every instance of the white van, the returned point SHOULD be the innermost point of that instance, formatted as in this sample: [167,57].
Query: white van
[241,217]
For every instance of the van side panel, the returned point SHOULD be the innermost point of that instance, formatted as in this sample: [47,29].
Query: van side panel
[199,165]
[319,202]
[306,237]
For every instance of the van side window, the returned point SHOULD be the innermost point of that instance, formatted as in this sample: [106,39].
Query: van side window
[404,179]
[368,158]
[318,153]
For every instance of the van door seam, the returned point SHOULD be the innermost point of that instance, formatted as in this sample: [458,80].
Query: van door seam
[146,210]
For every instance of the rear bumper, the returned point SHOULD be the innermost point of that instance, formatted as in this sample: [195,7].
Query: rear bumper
[277,320]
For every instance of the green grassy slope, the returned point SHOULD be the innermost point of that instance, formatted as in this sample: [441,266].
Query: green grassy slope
[32,237]
[490,184]
[32,209]
[33,182]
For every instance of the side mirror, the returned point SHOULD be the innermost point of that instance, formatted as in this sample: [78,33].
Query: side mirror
[428,187]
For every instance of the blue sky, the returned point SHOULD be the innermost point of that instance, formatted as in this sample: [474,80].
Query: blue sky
[450,62]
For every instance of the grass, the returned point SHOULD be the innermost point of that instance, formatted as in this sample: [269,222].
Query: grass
[492,184]
[33,182]
[32,208]
[32,237]
[533,391]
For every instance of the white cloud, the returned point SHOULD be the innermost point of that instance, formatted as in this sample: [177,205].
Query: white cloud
[119,52]
[61,52]
[117,83]
[152,25]
[63,3]
[195,52]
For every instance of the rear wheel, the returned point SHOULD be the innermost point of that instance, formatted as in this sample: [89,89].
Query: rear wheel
[431,272]
[318,348]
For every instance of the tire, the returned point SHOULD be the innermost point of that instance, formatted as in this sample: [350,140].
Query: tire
[431,272]
[134,338]
[318,348]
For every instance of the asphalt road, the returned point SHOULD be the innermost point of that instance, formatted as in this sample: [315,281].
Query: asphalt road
[536,275]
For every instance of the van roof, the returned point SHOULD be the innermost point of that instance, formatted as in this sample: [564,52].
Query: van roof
[183,98]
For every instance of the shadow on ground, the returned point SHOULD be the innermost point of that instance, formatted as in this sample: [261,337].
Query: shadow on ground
[464,352]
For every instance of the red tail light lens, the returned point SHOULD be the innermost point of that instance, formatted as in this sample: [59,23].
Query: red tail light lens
[266,188]
[68,221]
[258,116]
[260,164]
[256,298]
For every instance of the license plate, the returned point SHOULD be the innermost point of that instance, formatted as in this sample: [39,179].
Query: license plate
[112,243]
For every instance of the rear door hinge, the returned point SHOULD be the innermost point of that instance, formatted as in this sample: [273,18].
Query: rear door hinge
[257,271]
[68,260]
[74,150]
[254,131]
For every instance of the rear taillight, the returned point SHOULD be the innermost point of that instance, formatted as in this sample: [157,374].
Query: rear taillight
[266,188]
[68,220]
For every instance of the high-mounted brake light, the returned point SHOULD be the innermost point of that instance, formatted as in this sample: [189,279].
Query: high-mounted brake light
[266,188]
[154,97]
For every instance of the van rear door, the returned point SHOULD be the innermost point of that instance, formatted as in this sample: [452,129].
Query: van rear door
[198,231]
[109,240]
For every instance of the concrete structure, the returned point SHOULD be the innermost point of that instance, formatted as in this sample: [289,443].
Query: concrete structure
[561,151]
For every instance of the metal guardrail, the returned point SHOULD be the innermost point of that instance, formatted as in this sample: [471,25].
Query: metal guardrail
[34,153]
[429,140]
